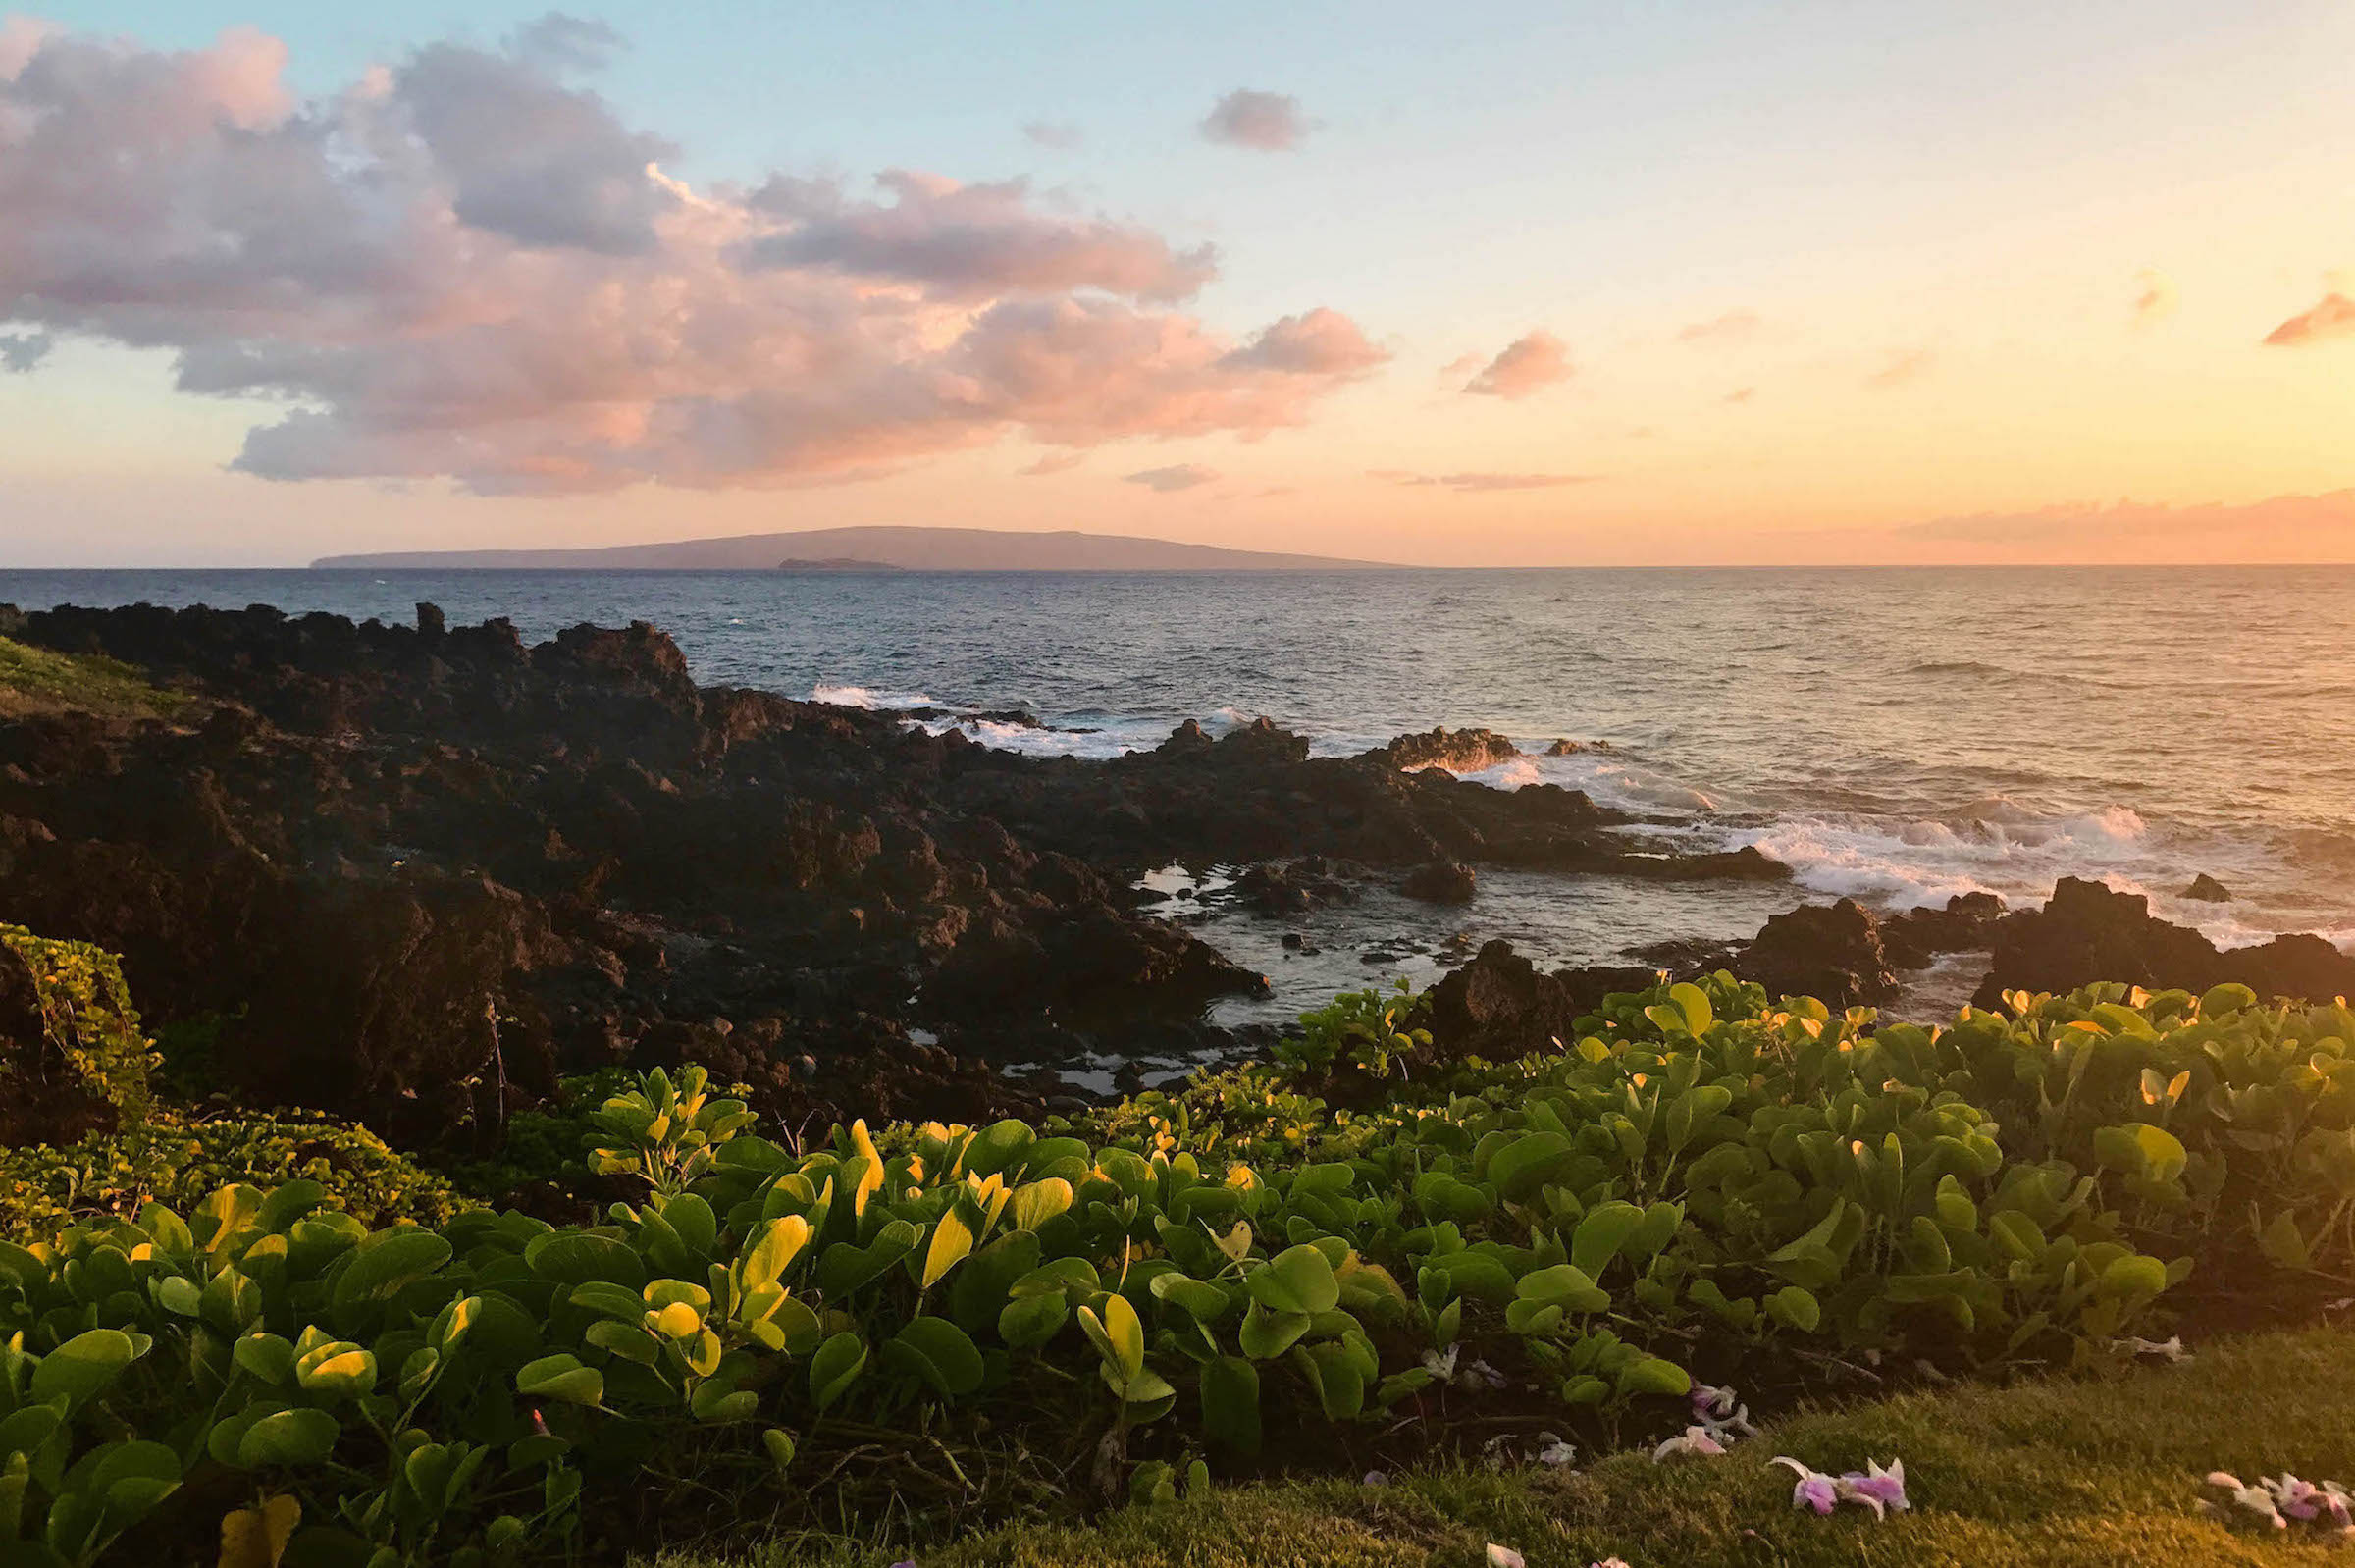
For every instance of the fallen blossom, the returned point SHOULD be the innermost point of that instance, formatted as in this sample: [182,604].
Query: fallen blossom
[1610,1562]
[1505,1557]
[1556,1451]
[2257,1500]
[1815,1490]
[1720,1413]
[1375,1478]
[1881,1490]
[1441,1364]
[1695,1441]
[2171,1347]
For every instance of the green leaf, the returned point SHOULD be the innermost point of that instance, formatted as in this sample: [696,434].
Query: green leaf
[288,1438]
[941,1355]
[1694,1003]
[1600,1235]
[1029,1321]
[1265,1335]
[1563,1285]
[1230,1389]
[952,1241]
[562,1378]
[775,1246]
[1119,1333]
[836,1366]
[1297,1280]
[338,1370]
[1795,1308]
[1651,1374]
[81,1368]
[378,1268]
[781,1449]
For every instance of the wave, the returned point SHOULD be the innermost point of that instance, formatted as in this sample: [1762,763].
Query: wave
[872,698]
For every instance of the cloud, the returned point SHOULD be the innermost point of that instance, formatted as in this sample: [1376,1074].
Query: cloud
[1477,483]
[1052,463]
[21,351]
[2316,526]
[1733,327]
[1530,363]
[1059,136]
[466,266]
[2155,299]
[1180,476]
[1265,122]
[1741,395]
[974,241]
[1902,366]
[2334,317]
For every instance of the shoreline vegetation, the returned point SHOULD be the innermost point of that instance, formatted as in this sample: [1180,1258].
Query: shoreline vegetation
[663,1191]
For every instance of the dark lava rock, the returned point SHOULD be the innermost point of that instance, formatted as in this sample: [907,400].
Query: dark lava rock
[1569,748]
[2088,931]
[1457,751]
[1499,1004]
[1967,924]
[1439,882]
[1830,952]
[2208,890]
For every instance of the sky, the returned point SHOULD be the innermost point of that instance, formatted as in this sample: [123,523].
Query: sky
[1504,284]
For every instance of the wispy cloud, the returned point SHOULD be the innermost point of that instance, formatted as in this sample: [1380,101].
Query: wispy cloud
[1059,136]
[1528,364]
[2130,528]
[1741,395]
[1179,475]
[465,265]
[1263,122]
[1477,483]
[21,351]
[2155,298]
[1733,327]
[1901,367]
[1052,463]
[2334,317]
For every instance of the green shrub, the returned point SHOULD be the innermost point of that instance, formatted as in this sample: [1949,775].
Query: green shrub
[90,1044]
[1369,1030]
[1229,1270]
[177,1162]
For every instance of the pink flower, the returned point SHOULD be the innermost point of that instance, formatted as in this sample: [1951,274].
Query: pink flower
[1881,1490]
[1696,1443]
[1815,1490]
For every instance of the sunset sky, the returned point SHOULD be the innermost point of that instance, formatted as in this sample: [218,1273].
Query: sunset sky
[1507,284]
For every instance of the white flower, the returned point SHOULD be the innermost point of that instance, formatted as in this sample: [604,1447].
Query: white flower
[1505,1557]
[2257,1499]
[2171,1347]
[1441,1364]
[1881,1490]
[1556,1451]
[1696,1443]
[1375,1478]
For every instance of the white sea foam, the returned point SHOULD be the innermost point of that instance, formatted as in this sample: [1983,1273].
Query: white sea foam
[1992,845]
[868,696]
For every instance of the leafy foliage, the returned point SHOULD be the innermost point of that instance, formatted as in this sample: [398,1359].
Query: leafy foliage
[90,1037]
[1370,1031]
[1225,1270]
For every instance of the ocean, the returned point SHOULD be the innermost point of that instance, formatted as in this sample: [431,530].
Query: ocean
[1895,734]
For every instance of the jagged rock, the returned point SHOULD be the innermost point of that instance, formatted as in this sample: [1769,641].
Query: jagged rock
[2208,890]
[1439,882]
[2088,931]
[1830,952]
[1570,748]
[1457,751]
[1966,924]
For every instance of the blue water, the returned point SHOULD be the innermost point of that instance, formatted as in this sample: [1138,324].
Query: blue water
[1896,734]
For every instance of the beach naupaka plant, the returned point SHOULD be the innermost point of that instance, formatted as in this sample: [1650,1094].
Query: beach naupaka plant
[1371,1029]
[669,1134]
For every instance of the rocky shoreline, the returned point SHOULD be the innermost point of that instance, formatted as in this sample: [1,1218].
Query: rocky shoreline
[415,874]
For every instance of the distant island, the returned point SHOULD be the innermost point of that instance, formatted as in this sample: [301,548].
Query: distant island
[924,549]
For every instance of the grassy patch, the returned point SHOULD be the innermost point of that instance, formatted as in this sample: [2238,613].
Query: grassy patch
[2054,1472]
[37,680]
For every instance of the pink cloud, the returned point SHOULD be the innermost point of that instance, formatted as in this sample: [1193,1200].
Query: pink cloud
[2334,317]
[1528,364]
[468,267]
[1902,366]
[1265,122]
[1180,476]
[1735,326]
[1057,135]
[1478,483]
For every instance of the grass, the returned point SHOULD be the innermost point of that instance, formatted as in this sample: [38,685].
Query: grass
[35,680]
[2054,1473]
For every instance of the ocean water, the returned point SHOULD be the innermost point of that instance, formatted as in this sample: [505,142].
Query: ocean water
[1899,735]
